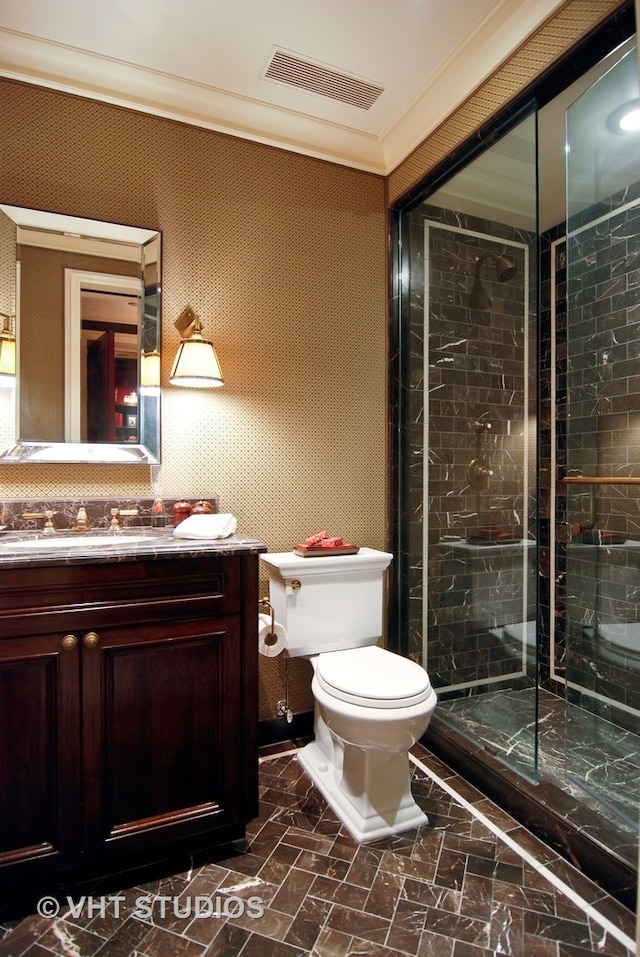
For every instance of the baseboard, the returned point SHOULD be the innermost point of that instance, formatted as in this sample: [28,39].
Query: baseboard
[275,730]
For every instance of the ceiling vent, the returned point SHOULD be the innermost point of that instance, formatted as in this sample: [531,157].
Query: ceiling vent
[318,78]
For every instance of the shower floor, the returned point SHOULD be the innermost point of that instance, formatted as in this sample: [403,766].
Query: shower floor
[582,754]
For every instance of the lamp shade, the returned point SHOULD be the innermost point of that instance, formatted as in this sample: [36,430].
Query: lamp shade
[7,356]
[196,364]
[150,370]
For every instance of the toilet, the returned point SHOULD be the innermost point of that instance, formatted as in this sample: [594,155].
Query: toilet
[371,705]
[621,645]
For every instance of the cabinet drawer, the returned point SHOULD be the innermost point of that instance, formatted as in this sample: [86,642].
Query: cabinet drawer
[205,585]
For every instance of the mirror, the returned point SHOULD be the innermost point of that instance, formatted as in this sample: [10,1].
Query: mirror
[81,299]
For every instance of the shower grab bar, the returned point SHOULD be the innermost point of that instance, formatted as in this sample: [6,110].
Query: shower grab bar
[601,480]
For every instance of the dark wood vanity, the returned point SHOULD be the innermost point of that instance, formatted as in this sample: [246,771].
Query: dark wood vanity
[128,705]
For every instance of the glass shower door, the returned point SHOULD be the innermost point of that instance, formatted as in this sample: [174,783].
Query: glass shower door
[471,305]
[602,625]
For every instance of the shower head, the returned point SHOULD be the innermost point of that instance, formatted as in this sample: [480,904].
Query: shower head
[505,268]
[480,297]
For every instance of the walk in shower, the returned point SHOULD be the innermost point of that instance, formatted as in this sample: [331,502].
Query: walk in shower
[517,473]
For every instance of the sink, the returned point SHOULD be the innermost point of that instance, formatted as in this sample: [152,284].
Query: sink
[72,541]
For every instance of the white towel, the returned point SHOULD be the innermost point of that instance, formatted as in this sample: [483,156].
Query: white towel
[206,526]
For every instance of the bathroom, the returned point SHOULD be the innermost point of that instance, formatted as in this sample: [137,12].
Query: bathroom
[286,460]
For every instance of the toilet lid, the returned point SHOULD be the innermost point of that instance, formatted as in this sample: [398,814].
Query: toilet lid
[373,677]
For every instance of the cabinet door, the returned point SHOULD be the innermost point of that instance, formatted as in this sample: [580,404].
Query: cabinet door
[161,725]
[40,824]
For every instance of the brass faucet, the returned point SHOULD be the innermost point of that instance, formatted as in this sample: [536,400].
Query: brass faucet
[49,527]
[82,521]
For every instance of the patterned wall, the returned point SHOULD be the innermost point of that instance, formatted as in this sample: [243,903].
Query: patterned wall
[284,259]
[42,337]
[546,46]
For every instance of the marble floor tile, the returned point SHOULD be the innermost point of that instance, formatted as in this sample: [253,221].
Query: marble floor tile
[471,883]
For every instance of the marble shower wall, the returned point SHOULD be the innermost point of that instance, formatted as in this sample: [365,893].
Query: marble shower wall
[603,439]
[478,407]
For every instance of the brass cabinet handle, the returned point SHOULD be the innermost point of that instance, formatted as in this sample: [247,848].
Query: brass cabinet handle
[69,642]
[90,640]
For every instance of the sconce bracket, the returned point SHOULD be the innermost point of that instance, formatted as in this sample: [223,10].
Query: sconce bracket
[186,322]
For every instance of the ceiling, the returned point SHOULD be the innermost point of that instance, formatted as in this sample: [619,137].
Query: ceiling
[357,82]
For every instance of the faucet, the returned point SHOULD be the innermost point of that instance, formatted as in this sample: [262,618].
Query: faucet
[48,528]
[82,521]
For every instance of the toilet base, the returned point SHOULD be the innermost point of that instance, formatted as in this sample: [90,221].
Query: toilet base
[357,811]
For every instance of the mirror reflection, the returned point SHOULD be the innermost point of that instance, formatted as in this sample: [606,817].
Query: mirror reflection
[83,304]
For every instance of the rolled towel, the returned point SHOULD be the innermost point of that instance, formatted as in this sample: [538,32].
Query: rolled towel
[207,526]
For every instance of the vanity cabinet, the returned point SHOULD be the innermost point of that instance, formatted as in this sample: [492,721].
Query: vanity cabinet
[128,709]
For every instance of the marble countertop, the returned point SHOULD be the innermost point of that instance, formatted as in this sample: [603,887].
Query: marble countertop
[29,549]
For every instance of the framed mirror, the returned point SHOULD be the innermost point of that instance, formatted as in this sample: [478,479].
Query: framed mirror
[80,309]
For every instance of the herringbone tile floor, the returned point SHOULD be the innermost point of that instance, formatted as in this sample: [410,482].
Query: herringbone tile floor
[473,882]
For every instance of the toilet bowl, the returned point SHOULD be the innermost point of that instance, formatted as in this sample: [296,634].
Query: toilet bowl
[621,644]
[370,705]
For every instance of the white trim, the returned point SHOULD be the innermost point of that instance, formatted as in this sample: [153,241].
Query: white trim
[553,469]
[485,237]
[74,281]
[529,859]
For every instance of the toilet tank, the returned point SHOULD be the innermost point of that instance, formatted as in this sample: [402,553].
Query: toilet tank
[328,603]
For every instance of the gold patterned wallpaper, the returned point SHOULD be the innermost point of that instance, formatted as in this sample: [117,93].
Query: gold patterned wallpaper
[284,257]
[546,46]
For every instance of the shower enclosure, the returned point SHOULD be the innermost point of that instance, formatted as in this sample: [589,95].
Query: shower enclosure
[517,476]
[471,295]
[602,555]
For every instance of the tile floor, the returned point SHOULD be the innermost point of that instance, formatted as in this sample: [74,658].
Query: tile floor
[471,883]
[570,740]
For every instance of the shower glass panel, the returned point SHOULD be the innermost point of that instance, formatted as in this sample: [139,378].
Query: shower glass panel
[602,628]
[469,271]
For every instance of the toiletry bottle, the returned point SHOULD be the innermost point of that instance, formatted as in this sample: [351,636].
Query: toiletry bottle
[181,510]
[158,513]
[202,508]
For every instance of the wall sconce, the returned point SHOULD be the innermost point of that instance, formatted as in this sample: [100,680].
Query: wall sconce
[196,363]
[7,347]
[150,370]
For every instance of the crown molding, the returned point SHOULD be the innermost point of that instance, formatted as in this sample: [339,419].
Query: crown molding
[57,66]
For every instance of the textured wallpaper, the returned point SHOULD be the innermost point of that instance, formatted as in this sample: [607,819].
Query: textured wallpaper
[548,44]
[284,259]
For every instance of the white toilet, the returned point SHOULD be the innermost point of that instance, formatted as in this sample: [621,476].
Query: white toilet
[371,705]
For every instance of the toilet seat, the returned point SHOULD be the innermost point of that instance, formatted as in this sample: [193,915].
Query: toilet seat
[372,677]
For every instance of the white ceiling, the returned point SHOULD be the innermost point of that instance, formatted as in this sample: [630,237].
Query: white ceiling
[203,62]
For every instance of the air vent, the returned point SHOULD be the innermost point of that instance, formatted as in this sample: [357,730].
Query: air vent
[319,78]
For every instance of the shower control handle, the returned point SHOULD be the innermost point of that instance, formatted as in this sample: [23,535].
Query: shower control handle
[479,473]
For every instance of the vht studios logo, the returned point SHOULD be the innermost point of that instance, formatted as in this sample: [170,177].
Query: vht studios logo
[149,906]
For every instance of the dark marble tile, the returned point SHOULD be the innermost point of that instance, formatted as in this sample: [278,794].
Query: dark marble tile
[452,888]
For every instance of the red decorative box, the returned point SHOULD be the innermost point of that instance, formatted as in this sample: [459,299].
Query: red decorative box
[315,551]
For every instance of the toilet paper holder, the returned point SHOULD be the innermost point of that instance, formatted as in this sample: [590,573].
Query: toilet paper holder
[271,638]
[282,706]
